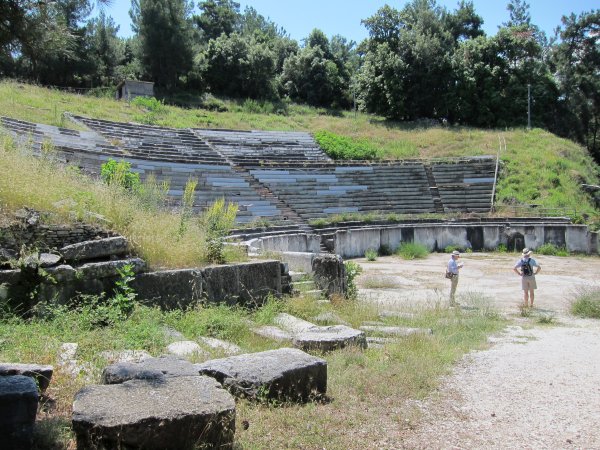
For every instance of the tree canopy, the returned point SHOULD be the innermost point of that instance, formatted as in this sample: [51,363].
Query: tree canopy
[421,61]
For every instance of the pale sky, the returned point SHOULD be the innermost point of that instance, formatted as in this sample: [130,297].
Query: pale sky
[300,17]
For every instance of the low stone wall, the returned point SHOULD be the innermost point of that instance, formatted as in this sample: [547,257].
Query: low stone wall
[47,237]
[240,284]
[481,237]
[298,242]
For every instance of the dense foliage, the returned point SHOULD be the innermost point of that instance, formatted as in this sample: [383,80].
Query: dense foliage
[422,61]
[340,147]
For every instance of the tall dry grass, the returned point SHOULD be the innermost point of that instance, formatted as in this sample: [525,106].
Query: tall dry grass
[69,196]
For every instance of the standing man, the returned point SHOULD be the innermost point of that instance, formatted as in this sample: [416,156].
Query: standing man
[453,267]
[527,274]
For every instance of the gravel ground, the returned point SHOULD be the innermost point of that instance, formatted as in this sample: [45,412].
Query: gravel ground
[536,387]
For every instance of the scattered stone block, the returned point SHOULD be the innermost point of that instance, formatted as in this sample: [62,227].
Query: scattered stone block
[293,324]
[395,331]
[286,374]
[217,344]
[107,269]
[132,356]
[49,260]
[329,338]
[174,413]
[186,348]
[152,368]
[18,407]
[69,364]
[173,334]
[396,315]
[275,333]
[40,374]
[329,273]
[100,248]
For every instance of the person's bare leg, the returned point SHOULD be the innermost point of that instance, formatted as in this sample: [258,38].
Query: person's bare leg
[531,297]
[526,297]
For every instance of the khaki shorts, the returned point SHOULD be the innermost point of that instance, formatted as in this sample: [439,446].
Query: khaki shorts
[528,283]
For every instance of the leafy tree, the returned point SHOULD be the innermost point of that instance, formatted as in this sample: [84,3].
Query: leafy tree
[42,40]
[464,23]
[104,49]
[217,17]
[577,62]
[406,69]
[492,78]
[314,75]
[165,34]
[239,66]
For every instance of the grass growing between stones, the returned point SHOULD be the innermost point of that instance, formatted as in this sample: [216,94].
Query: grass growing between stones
[367,389]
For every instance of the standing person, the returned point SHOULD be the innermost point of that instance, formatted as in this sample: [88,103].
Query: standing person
[527,274]
[453,267]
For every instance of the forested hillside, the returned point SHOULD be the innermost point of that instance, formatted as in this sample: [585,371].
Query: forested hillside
[422,61]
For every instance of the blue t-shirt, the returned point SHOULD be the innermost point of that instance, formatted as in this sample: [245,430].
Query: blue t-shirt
[521,262]
[453,266]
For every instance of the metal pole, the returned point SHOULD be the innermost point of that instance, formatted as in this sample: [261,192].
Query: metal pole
[529,106]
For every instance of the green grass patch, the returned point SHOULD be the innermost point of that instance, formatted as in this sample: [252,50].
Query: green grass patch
[358,380]
[340,147]
[412,250]
[587,303]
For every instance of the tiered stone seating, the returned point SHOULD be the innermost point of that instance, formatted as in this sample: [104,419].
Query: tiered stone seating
[465,185]
[89,150]
[155,143]
[320,190]
[278,175]
[60,138]
[255,148]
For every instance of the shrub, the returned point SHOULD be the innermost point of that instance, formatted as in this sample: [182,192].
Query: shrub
[501,248]
[385,250]
[218,220]
[120,174]
[352,271]
[587,303]
[149,103]
[340,147]
[451,248]
[552,250]
[371,254]
[412,250]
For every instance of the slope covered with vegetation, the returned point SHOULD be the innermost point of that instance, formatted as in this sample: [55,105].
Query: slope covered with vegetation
[537,167]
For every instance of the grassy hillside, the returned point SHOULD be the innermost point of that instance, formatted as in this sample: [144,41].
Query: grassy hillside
[538,168]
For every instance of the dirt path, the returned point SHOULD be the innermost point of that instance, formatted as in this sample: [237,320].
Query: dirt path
[537,387]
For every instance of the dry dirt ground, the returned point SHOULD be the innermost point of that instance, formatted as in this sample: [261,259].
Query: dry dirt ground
[536,387]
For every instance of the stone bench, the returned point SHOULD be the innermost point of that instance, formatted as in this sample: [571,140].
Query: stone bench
[178,412]
[18,408]
[285,374]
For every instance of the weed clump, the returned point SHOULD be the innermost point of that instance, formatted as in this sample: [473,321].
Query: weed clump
[412,250]
[587,303]
[371,254]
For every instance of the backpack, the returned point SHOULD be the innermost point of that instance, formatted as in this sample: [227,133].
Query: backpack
[527,269]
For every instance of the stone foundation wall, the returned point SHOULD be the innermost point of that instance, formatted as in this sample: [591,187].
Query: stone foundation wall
[47,237]
[247,284]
